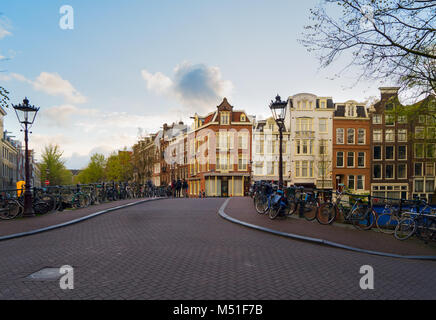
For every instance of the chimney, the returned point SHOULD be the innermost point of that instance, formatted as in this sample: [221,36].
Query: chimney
[388,92]
[165,127]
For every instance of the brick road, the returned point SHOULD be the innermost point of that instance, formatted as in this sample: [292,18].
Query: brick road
[182,249]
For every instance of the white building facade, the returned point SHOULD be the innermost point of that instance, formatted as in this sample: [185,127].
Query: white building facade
[309,120]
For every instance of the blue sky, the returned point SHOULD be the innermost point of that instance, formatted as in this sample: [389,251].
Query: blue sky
[137,64]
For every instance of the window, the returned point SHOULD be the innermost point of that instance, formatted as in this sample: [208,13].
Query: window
[429,186]
[340,159]
[421,119]
[350,159]
[377,119]
[270,168]
[419,186]
[225,117]
[430,150]
[419,150]
[297,168]
[242,162]
[390,136]
[389,107]
[361,159]
[361,133]
[360,182]
[419,132]
[323,147]
[323,125]
[429,169]
[402,119]
[323,104]
[418,169]
[350,136]
[242,140]
[259,147]
[377,153]
[402,135]
[258,169]
[390,120]
[304,124]
[402,152]
[304,168]
[402,171]
[242,118]
[377,135]
[377,171]
[351,182]
[340,136]
[431,132]
[389,174]
[389,153]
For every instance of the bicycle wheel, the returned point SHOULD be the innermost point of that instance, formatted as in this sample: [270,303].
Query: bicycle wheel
[310,210]
[41,207]
[261,204]
[425,229]
[326,213]
[273,213]
[9,210]
[363,218]
[405,229]
[50,201]
[386,223]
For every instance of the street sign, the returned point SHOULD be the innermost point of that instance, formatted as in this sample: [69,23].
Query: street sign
[47,182]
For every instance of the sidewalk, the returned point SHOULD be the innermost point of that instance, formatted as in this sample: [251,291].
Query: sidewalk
[243,209]
[8,227]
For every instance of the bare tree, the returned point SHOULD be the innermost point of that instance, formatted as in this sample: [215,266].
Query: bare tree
[393,39]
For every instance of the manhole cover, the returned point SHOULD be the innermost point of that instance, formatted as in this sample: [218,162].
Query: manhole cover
[46,274]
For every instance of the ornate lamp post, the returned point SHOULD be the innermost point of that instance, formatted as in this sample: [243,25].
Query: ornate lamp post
[26,114]
[278,109]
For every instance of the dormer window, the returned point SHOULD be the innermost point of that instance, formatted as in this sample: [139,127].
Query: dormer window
[242,118]
[323,104]
[225,117]
[351,111]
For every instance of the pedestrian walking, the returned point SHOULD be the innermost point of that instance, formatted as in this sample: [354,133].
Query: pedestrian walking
[178,187]
[185,188]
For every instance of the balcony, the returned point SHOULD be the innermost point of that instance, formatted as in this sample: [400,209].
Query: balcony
[305,134]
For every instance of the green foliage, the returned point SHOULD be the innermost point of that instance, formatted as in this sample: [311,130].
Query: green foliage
[94,172]
[119,167]
[52,167]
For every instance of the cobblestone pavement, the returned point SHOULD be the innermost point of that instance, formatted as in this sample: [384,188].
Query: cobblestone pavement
[8,227]
[182,249]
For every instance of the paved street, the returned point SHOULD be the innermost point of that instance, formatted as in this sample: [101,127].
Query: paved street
[182,249]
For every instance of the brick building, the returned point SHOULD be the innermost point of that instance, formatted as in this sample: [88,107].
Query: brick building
[219,153]
[351,147]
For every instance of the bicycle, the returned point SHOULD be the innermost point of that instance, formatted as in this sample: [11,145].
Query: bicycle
[387,221]
[10,208]
[417,222]
[360,215]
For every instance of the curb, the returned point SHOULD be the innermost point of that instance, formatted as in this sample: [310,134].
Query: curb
[315,240]
[68,223]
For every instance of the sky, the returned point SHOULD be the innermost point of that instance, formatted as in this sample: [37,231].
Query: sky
[128,67]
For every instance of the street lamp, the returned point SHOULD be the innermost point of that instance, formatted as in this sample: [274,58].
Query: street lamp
[278,109]
[26,114]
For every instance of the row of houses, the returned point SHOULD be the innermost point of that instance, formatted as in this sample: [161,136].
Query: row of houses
[370,149]
[12,160]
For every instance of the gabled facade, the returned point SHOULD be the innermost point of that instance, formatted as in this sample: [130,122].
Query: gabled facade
[309,119]
[351,147]
[219,153]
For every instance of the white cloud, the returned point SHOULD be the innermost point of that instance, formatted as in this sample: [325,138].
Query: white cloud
[4,26]
[62,115]
[53,84]
[197,87]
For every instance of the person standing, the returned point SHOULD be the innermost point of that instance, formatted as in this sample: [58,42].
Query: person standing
[178,188]
[185,188]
